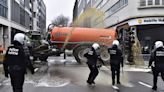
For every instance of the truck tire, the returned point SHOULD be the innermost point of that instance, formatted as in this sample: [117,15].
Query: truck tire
[35,58]
[43,58]
[78,53]
[105,56]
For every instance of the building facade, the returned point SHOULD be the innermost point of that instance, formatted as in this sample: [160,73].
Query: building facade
[39,17]
[144,17]
[17,16]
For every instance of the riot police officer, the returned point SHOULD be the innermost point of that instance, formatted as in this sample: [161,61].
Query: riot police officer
[116,59]
[92,58]
[157,62]
[16,61]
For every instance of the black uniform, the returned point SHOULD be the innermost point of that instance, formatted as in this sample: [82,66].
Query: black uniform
[157,56]
[92,58]
[15,64]
[116,59]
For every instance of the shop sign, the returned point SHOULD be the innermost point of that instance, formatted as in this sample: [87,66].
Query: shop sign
[144,21]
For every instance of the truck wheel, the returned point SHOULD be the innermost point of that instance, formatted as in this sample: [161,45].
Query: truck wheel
[34,58]
[79,52]
[43,58]
[104,54]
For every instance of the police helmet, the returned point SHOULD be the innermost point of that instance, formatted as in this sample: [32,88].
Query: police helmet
[158,44]
[115,42]
[96,46]
[20,37]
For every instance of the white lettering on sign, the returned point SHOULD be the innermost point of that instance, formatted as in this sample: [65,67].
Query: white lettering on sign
[154,20]
[13,51]
[143,21]
[159,53]
[90,52]
[112,51]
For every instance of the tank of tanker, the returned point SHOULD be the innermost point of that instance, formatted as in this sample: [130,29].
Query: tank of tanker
[79,39]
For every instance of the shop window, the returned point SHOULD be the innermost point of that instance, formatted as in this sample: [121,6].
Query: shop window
[150,2]
[142,2]
[157,2]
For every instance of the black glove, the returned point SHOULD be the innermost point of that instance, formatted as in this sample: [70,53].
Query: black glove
[6,75]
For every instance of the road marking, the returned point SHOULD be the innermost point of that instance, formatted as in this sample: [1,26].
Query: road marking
[145,84]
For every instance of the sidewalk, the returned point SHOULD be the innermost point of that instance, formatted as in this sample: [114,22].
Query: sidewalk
[2,77]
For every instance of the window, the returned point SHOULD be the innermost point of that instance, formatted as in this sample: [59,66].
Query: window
[87,1]
[162,2]
[104,2]
[143,3]
[3,11]
[120,4]
[157,2]
[126,1]
[93,1]
[22,2]
[150,2]
[3,2]
[99,5]
[79,2]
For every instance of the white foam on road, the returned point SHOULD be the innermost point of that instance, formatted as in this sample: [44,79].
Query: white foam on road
[130,69]
[45,84]
[137,69]
[115,87]
[129,85]
[49,81]
[145,84]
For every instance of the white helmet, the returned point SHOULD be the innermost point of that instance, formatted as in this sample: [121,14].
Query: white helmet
[96,46]
[116,42]
[158,44]
[20,37]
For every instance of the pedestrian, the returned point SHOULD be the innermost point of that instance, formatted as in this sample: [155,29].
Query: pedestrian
[16,61]
[92,57]
[156,62]
[116,59]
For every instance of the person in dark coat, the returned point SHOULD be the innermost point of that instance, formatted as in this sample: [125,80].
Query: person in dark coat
[157,62]
[16,61]
[92,58]
[116,59]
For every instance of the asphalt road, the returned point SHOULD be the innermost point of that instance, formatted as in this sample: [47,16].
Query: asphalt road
[67,76]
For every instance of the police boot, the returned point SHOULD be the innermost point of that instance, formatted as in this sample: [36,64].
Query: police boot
[89,83]
[154,87]
[113,83]
[93,82]
[118,82]
[18,90]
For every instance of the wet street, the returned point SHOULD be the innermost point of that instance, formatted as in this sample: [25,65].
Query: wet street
[61,75]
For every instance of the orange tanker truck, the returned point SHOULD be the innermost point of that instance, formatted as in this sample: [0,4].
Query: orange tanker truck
[79,39]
